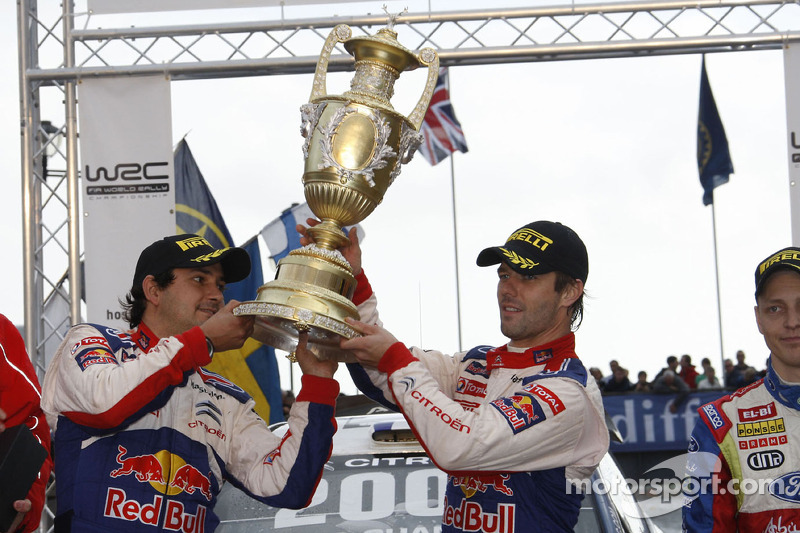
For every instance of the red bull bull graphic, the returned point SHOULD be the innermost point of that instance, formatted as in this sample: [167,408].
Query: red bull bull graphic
[470,516]
[472,484]
[144,467]
[190,479]
[521,411]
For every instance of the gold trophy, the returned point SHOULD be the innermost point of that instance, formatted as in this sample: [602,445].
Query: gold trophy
[355,144]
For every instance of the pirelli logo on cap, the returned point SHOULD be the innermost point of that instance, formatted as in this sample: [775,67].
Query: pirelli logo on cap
[193,242]
[765,427]
[787,255]
[534,238]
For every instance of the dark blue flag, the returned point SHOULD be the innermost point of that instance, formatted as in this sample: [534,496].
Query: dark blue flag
[196,209]
[713,157]
[253,367]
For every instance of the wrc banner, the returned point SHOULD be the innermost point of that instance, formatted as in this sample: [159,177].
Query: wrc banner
[127,184]
[791,68]
[100,7]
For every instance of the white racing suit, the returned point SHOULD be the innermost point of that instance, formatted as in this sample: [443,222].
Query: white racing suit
[743,461]
[144,437]
[510,429]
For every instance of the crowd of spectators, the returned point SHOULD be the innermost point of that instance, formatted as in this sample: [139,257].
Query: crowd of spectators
[680,377]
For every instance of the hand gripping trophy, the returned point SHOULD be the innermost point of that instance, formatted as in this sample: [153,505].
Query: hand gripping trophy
[355,144]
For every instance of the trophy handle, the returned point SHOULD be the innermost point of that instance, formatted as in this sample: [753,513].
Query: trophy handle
[339,34]
[429,57]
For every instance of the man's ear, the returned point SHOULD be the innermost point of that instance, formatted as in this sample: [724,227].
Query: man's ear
[152,292]
[758,320]
[571,293]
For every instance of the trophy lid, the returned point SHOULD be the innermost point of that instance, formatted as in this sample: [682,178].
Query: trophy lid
[382,47]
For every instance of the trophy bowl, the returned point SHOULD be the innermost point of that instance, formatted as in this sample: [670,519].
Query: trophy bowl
[355,145]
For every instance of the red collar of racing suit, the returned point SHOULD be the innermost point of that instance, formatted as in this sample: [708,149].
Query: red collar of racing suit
[144,337]
[552,355]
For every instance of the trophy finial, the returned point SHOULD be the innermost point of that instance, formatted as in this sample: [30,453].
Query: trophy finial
[393,18]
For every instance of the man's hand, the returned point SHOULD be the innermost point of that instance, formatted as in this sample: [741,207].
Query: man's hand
[370,347]
[21,507]
[352,252]
[309,363]
[226,330]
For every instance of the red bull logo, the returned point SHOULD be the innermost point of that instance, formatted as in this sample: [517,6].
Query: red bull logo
[520,410]
[94,357]
[470,516]
[471,484]
[151,468]
[175,518]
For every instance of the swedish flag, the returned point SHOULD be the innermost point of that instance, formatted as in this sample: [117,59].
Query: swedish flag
[253,367]
[713,157]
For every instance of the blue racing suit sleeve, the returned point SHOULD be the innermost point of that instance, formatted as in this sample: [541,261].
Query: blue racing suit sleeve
[710,504]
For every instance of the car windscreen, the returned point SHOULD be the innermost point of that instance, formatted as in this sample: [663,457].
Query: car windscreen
[357,494]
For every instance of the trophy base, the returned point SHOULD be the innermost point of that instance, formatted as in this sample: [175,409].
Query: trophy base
[283,334]
[310,293]
[280,326]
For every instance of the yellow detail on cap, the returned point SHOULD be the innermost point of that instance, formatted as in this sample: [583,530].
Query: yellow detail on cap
[517,259]
[531,237]
[209,257]
[192,242]
[777,258]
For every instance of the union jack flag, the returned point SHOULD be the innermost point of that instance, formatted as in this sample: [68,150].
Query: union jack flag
[441,129]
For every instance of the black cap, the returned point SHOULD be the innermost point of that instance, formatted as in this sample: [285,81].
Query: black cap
[541,247]
[786,259]
[190,251]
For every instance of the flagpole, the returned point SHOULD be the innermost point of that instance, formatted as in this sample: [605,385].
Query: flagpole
[455,246]
[716,276]
[455,231]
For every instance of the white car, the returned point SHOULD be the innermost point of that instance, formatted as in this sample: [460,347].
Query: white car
[379,480]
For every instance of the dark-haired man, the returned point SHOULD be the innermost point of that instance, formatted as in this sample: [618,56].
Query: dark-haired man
[513,426]
[743,451]
[144,436]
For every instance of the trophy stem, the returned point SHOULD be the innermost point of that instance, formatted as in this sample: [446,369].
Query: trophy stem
[328,235]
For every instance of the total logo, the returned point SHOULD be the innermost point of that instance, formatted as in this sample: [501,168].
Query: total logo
[151,468]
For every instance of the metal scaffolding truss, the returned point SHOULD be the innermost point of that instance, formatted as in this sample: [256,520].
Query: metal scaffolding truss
[58,48]
[460,37]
